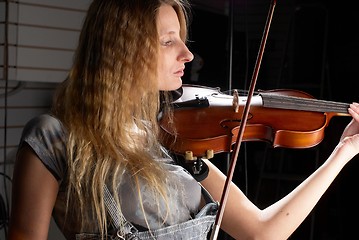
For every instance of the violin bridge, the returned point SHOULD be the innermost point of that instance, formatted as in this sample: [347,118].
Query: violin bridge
[235,102]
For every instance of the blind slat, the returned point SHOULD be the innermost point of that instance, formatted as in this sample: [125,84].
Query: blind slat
[42,37]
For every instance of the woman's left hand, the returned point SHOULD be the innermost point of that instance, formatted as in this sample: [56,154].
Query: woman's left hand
[353,127]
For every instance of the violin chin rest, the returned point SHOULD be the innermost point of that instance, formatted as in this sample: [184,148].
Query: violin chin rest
[176,94]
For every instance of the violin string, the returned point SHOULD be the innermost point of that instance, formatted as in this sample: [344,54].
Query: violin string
[300,103]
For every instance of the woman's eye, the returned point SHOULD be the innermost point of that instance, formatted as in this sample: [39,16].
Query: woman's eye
[167,43]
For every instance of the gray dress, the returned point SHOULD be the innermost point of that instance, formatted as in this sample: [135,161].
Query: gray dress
[46,135]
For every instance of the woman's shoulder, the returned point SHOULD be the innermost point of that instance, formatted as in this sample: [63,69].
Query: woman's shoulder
[44,126]
[46,135]
[45,130]
[44,121]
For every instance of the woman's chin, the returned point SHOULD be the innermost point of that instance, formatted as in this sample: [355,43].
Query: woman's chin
[174,85]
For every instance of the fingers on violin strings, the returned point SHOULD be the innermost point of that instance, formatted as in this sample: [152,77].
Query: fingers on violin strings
[354,110]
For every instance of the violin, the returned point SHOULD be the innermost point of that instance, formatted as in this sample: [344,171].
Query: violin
[207,120]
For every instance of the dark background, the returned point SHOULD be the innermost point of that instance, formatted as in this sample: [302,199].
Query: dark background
[312,46]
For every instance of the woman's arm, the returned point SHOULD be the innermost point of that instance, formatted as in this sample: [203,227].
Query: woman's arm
[243,220]
[34,194]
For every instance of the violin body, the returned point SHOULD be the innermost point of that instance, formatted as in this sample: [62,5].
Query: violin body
[215,126]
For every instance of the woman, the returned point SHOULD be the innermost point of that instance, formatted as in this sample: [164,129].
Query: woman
[96,162]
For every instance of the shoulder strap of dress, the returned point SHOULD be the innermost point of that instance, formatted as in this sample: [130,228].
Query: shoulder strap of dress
[125,229]
[206,195]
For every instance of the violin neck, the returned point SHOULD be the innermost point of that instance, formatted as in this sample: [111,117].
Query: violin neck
[306,104]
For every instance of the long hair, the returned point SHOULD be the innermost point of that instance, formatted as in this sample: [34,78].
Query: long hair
[110,101]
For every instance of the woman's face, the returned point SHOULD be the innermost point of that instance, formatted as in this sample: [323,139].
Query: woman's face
[173,53]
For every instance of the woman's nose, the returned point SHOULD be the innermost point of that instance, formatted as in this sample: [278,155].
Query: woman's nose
[186,55]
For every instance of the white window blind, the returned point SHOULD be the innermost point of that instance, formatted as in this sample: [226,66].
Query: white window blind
[41,38]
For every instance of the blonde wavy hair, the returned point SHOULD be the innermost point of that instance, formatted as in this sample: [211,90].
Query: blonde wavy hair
[112,89]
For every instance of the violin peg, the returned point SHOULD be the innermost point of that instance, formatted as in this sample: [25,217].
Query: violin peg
[189,155]
[210,154]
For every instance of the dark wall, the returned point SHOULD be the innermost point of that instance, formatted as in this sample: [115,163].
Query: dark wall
[209,67]
[312,47]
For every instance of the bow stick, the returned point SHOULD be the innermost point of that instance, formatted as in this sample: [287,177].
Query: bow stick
[224,197]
